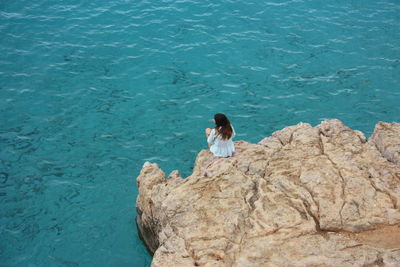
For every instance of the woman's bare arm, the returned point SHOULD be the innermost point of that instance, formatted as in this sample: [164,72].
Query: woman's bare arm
[208,131]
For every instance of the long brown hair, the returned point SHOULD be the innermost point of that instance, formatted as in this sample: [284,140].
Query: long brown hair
[223,126]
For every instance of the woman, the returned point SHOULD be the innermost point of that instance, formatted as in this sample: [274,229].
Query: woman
[219,138]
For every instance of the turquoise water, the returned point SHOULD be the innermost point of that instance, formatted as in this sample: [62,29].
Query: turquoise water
[90,90]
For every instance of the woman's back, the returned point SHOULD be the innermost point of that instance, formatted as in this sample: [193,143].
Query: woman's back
[219,146]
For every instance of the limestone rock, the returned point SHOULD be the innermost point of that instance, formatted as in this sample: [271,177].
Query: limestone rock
[305,196]
[387,141]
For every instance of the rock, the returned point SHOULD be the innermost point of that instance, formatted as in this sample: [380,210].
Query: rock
[387,141]
[305,196]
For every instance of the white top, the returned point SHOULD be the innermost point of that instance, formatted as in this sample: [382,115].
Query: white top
[220,147]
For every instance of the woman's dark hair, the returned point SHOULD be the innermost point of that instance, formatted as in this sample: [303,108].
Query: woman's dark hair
[223,126]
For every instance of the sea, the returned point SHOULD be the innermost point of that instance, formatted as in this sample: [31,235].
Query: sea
[90,90]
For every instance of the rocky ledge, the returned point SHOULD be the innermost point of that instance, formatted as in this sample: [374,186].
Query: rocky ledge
[305,196]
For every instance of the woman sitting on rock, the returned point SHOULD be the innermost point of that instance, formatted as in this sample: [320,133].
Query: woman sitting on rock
[219,138]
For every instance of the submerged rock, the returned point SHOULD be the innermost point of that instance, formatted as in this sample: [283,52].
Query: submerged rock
[305,196]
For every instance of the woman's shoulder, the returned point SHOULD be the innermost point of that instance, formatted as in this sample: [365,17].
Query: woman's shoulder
[214,132]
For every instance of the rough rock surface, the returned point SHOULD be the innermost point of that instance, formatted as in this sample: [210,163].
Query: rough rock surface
[306,196]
